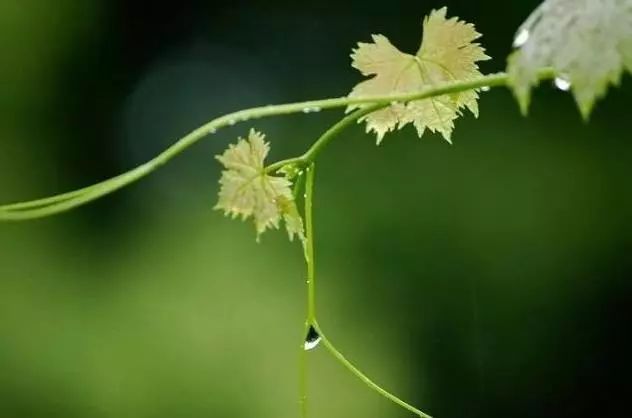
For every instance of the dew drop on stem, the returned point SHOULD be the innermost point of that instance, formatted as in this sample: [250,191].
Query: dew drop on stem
[312,339]
[521,38]
[562,83]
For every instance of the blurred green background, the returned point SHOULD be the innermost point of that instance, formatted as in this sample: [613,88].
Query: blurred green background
[488,278]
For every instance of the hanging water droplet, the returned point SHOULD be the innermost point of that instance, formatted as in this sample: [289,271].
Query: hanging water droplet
[232,122]
[485,88]
[312,339]
[521,38]
[212,131]
[316,109]
[562,83]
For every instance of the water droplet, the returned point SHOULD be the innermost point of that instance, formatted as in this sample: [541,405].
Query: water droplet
[485,88]
[312,339]
[304,195]
[521,38]
[562,83]
[232,122]
[212,131]
[311,109]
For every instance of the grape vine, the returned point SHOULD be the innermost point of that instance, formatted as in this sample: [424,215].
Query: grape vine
[430,90]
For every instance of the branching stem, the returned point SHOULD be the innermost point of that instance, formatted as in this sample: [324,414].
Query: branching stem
[66,201]
[311,300]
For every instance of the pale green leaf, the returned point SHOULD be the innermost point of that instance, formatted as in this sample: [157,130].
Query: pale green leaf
[447,53]
[587,42]
[248,191]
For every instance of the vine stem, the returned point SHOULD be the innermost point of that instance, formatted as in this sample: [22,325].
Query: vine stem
[302,375]
[311,298]
[309,245]
[309,157]
[310,317]
[364,378]
[66,201]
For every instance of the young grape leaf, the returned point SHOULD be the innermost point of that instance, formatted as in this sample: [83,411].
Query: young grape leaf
[247,190]
[587,42]
[447,53]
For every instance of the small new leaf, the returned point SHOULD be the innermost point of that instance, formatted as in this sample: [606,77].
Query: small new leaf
[248,191]
[447,53]
[587,42]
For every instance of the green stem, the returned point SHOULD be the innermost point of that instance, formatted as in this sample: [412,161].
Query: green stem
[66,201]
[310,318]
[47,201]
[311,290]
[310,155]
[303,374]
[327,137]
[364,378]
[309,245]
